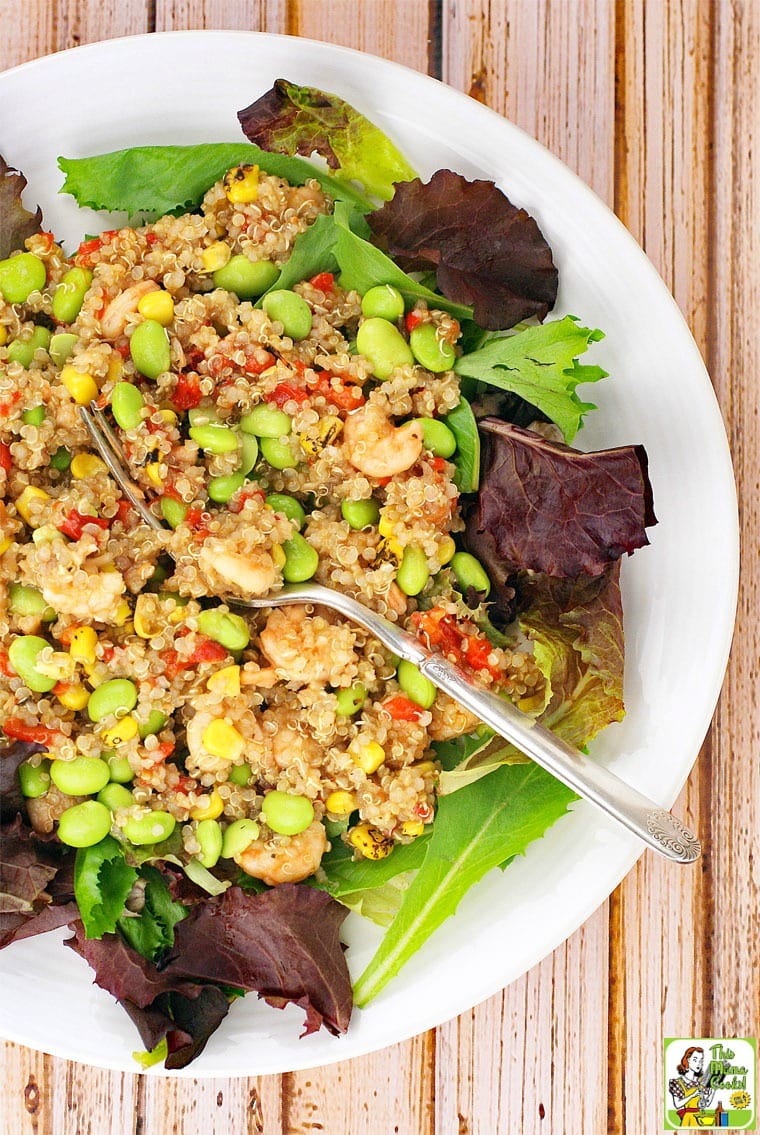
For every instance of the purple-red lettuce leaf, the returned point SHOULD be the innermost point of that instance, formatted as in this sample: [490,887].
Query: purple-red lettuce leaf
[304,120]
[16,222]
[176,1028]
[35,878]
[486,252]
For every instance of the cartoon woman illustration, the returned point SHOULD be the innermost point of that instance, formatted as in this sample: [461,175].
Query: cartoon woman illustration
[691,1092]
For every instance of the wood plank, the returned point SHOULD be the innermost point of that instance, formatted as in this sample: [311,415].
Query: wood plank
[229,15]
[382,27]
[48,27]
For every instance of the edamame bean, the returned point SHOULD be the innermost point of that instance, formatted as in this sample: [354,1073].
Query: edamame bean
[220,489]
[155,723]
[277,453]
[214,438]
[437,437]
[20,276]
[154,827]
[415,685]
[61,459]
[22,350]
[115,697]
[301,560]
[69,295]
[22,655]
[173,511]
[266,421]
[119,768]
[34,417]
[126,405]
[287,814]
[288,505]
[249,452]
[61,346]
[34,779]
[209,836]
[360,514]
[383,302]
[248,279]
[84,825]
[413,573]
[384,346]
[291,310]
[230,631]
[149,348]
[82,776]
[202,415]
[28,601]
[350,701]
[430,351]
[469,572]
[239,835]
[115,796]
[239,774]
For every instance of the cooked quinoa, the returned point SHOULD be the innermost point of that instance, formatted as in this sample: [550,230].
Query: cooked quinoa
[215,727]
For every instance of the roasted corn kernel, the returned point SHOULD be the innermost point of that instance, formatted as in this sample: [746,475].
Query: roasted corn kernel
[123,730]
[341,803]
[241,184]
[370,842]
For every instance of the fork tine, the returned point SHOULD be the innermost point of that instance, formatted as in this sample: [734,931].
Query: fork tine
[109,448]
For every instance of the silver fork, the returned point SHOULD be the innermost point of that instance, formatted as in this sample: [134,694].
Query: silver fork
[657,827]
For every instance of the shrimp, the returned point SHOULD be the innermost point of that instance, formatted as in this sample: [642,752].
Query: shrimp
[285,859]
[86,595]
[253,573]
[307,649]
[376,447]
[115,317]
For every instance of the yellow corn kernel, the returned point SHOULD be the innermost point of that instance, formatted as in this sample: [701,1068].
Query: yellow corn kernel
[215,256]
[73,695]
[3,334]
[123,614]
[278,555]
[424,768]
[223,740]
[208,808]
[157,305]
[389,551]
[123,730]
[370,841]
[225,682]
[153,473]
[385,525]
[82,387]
[412,828]
[168,417]
[367,755]
[28,494]
[97,673]
[115,367]
[82,643]
[87,465]
[5,543]
[340,803]
[241,184]
[328,431]
[446,550]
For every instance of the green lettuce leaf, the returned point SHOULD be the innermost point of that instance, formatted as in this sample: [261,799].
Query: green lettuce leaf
[540,364]
[461,421]
[152,930]
[102,882]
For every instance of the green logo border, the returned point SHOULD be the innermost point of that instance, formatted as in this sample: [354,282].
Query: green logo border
[701,1043]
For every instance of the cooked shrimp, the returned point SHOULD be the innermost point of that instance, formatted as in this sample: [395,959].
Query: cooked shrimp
[115,317]
[376,447]
[291,748]
[306,648]
[253,573]
[85,595]
[285,859]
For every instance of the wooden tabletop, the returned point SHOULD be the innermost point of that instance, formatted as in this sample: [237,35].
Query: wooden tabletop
[656,104]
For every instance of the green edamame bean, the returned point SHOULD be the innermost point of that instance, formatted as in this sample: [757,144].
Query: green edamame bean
[115,697]
[202,415]
[266,421]
[469,572]
[119,768]
[20,276]
[115,796]
[238,836]
[281,502]
[34,779]
[155,723]
[84,825]
[61,346]
[82,776]
[277,453]
[413,572]
[249,452]
[301,560]
[437,437]
[25,601]
[69,295]
[230,631]
[61,459]
[22,350]
[214,438]
[383,302]
[149,348]
[384,346]
[415,685]
[360,514]
[34,417]
[173,511]
[22,654]
[429,350]
[126,405]
[248,279]
[209,836]
[239,774]
[287,814]
[154,827]
[350,701]
[291,310]
[220,489]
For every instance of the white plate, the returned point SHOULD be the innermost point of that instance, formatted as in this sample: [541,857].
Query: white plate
[679,593]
